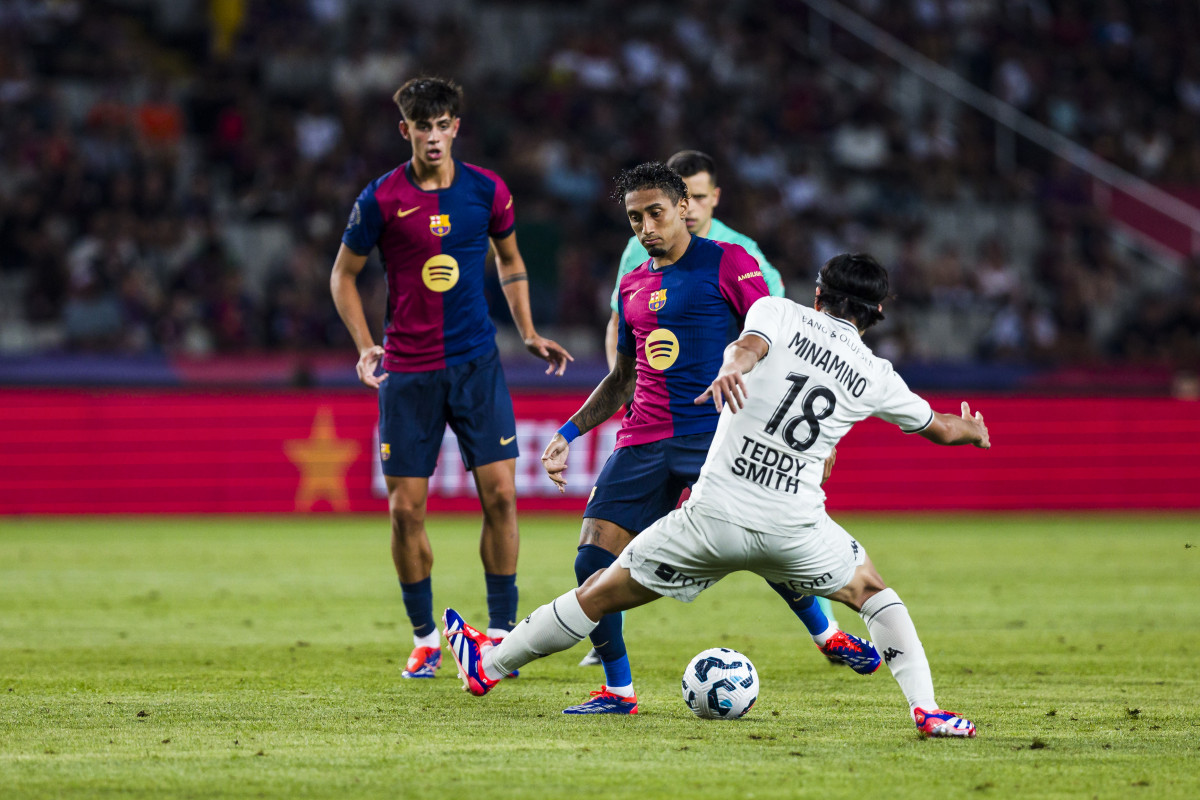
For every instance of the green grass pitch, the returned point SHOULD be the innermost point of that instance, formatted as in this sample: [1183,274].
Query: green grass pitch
[260,657]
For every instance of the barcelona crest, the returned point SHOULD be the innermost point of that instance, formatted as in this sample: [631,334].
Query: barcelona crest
[439,224]
[658,299]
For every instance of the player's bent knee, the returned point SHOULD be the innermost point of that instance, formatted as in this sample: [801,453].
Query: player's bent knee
[604,534]
[407,518]
[499,502]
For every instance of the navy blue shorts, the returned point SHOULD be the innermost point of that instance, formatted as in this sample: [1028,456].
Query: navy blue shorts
[642,483]
[415,407]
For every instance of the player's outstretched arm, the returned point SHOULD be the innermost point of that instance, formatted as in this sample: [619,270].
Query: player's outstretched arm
[514,282]
[951,430]
[342,283]
[729,387]
[605,400]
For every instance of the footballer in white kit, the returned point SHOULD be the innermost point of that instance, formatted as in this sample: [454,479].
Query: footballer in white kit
[763,471]
[790,387]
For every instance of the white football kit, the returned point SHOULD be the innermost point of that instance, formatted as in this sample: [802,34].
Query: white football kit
[758,504]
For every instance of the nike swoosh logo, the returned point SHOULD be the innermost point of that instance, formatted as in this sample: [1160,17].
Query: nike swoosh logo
[504,441]
[402,213]
[509,205]
[635,294]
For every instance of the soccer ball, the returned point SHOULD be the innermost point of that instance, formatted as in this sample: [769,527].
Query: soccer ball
[720,684]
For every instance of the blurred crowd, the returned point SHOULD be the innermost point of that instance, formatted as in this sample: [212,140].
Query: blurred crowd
[175,177]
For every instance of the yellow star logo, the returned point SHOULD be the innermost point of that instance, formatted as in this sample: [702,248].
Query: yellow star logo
[323,460]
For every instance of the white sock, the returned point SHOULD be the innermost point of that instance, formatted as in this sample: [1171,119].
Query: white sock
[895,637]
[823,637]
[428,640]
[621,691]
[496,633]
[552,628]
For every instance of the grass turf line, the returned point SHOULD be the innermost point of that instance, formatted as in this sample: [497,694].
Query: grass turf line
[246,657]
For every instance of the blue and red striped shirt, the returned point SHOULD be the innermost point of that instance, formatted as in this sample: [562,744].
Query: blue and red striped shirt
[676,322]
[433,245]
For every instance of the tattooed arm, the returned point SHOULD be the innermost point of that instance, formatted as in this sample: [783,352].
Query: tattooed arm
[606,399]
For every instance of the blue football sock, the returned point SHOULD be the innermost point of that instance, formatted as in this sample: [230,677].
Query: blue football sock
[827,609]
[501,600]
[805,607]
[418,602]
[607,637]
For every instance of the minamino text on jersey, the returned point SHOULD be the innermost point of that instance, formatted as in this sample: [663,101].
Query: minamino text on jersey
[822,358]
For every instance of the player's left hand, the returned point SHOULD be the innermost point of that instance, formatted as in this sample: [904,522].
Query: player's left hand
[554,353]
[726,388]
[554,459]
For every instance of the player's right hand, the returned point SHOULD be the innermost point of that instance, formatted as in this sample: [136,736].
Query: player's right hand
[368,363]
[554,459]
[728,388]
[984,442]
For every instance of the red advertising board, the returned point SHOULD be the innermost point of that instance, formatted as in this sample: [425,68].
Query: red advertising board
[96,451]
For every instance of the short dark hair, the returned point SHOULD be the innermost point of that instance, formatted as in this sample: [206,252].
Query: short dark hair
[692,162]
[427,98]
[853,285]
[651,175]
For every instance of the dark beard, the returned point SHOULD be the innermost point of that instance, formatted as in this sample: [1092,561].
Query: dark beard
[656,251]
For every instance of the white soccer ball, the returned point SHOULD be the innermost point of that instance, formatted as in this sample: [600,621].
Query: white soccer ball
[720,684]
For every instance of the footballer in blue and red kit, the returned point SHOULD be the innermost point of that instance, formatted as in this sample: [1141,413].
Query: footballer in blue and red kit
[675,322]
[439,343]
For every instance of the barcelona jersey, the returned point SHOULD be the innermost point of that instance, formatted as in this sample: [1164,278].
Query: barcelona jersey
[676,321]
[433,245]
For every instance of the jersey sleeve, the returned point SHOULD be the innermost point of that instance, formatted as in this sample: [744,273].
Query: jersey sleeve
[765,319]
[633,256]
[365,225]
[626,341]
[503,219]
[901,406]
[741,279]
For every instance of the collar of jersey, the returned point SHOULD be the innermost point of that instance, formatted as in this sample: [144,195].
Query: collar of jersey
[691,241]
[841,321]
[408,176]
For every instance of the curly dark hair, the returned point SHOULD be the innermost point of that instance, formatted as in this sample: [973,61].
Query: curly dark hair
[651,175]
[853,286]
[427,98]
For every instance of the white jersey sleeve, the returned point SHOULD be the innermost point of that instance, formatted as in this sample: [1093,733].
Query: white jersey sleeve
[765,319]
[816,381]
[900,406]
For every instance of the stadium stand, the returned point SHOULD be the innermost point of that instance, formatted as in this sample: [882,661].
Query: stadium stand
[174,177]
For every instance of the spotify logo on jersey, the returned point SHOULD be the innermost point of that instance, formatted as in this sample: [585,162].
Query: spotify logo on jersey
[662,348]
[440,273]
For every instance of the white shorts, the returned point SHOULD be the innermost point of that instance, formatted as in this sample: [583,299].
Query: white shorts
[685,552]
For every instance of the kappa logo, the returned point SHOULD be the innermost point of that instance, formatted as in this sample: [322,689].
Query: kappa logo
[891,653]
[658,299]
[439,224]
